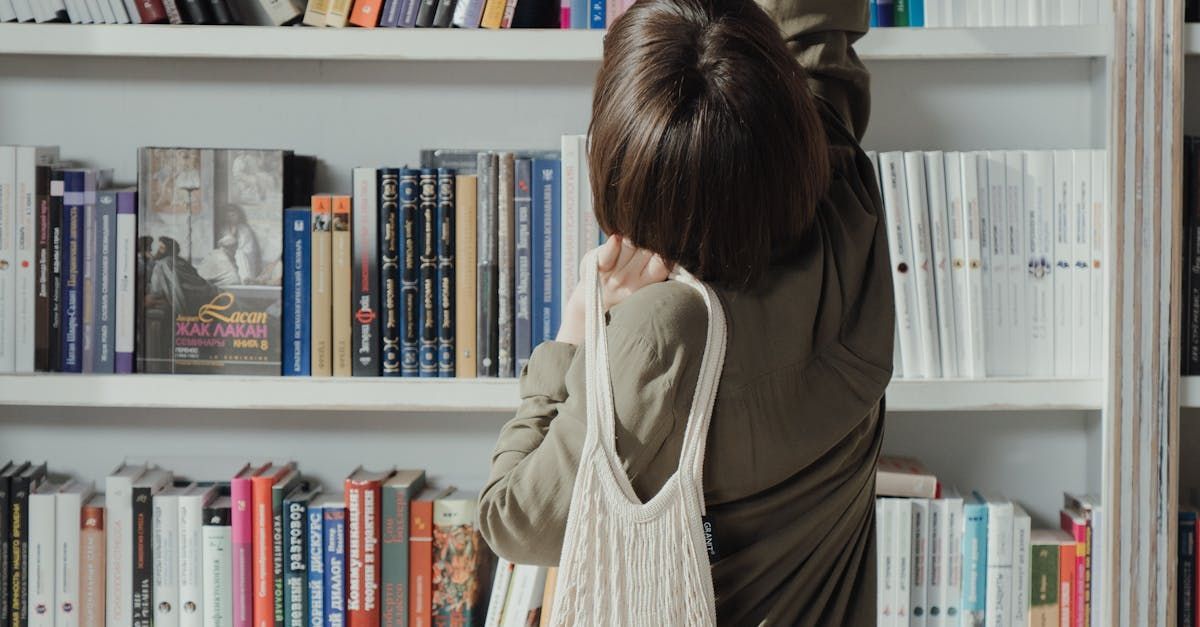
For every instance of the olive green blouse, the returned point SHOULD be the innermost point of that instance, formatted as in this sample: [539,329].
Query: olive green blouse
[789,475]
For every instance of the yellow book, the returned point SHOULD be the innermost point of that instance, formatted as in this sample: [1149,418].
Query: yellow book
[548,596]
[338,13]
[342,349]
[464,275]
[314,15]
[493,13]
[322,286]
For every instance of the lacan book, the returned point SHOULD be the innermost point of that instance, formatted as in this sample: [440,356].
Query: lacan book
[211,272]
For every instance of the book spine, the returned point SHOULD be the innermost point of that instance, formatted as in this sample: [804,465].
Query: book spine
[903,555]
[119,558]
[65,568]
[389,269]
[389,16]
[501,584]
[408,13]
[444,13]
[1078,530]
[104,284]
[447,331]
[297,290]
[165,540]
[125,277]
[464,275]
[597,19]
[974,563]
[944,294]
[278,549]
[338,13]
[923,266]
[72,273]
[242,531]
[56,267]
[1186,573]
[1039,282]
[493,14]
[217,554]
[314,12]
[410,269]
[567,228]
[365,13]
[426,11]
[974,208]
[197,12]
[90,259]
[394,556]
[420,571]
[487,331]
[901,12]
[1081,280]
[366,274]
[894,185]
[322,287]
[468,13]
[335,567]
[362,555]
[8,241]
[25,293]
[19,552]
[1099,197]
[427,276]
[39,575]
[505,261]
[1066,585]
[919,568]
[993,226]
[5,549]
[296,586]
[92,559]
[341,280]
[143,558]
[1043,607]
[884,565]
[1062,274]
[263,550]
[316,566]
[999,564]
[1019,344]
[151,11]
[191,572]
[523,316]
[42,266]
[1021,569]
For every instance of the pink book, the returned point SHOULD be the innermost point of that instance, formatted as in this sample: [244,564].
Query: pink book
[564,14]
[242,528]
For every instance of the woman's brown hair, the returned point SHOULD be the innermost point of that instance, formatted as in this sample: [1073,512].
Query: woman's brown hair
[706,144]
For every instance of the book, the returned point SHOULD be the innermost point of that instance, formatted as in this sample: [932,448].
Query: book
[165,543]
[296,539]
[1099,208]
[505,227]
[125,281]
[365,13]
[1019,285]
[1040,276]
[493,14]
[975,554]
[523,341]
[343,352]
[923,266]
[464,275]
[1075,523]
[42,264]
[315,556]
[409,252]
[241,527]
[91,590]
[972,344]
[72,309]
[445,242]
[216,556]
[420,568]
[195,11]
[289,485]
[389,270]
[994,222]
[363,490]
[468,13]
[501,582]
[192,502]
[999,594]
[216,217]
[902,554]
[571,194]
[56,209]
[428,308]
[297,292]
[548,597]
[262,542]
[118,500]
[918,571]
[396,497]
[151,483]
[1021,566]
[546,250]
[41,556]
[885,564]
[321,301]
[1186,571]
[1045,550]
[894,184]
[88,292]
[459,598]
[334,529]
[953,560]
[487,274]
[68,554]
[1063,247]
[1081,280]
[314,12]
[905,477]
[935,593]
[7,473]
[365,285]
[1089,504]
[337,13]
[152,11]
[24,483]
[942,259]
[30,193]
[524,604]
[444,13]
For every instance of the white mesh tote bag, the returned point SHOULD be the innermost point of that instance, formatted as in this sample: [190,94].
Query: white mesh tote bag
[625,562]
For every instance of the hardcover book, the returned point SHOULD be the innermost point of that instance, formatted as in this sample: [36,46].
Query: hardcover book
[365,284]
[334,599]
[523,341]
[42,252]
[389,269]
[546,250]
[343,351]
[505,225]
[212,279]
[487,275]
[409,266]
[91,563]
[23,484]
[464,275]
[262,521]
[192,502]
[297,292]
[151,483]
[363,511]
[7,474]
[295,534]
[446,225]
[427,276]
[396,497]
[216,555]
[321,323]
[125,289]
[165,543]
[242,533]
[118,499]
[462,565]
[289,485]
[420,545]
[41,557]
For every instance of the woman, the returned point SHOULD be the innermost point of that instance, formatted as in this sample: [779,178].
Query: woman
[714,149]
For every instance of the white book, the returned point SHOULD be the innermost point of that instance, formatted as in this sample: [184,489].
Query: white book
[131,10]
[569,225]
[1051,12]
[499,598]
[922,247]
[897,360]
[1099,559]
[8,265]
[1063,268]
[1017,346]
[191,572]
[969,13]
[42,557]
[1098,295]
[589,228]
[951,15]
[1039,292]
[118,500]
[28,158]
[1081,273]
[997,11]
[120,12]
[883,563]
[125,268]
[1070,12]
[7,14]
[902,555]
[1011,8]
[943,282]
[972,192]
[24,10]
[993,218]
[216,554]
[935,594]
[165,556]
[101,12]
[73,12]
[999,559]
[952,560]
[894,189]
[53,9]
[525,595]
[1021,567]
[68,504]
[919,568]
[933,14]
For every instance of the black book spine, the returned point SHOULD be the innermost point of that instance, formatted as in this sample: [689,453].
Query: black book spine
[445,271]
[5,548]
[365,278]
[389,268]
[221,13]
[429,288]
[445,11]
[1192,331]
[409,268]
[217,516]
[143,569]
[41,333]
[426,13]
[23,485]
[487,339]
[196,12]
[56,260]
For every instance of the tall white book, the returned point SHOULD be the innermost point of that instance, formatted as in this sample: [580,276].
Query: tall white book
[974,200]
[994,218]
[1039,293]
[1064,271]
[165,556]
[28,158]
[68,505]
[524,596]
[923,271]
[959,264]
[1021,567]
[1081,273]
[1099,209]
[118,501]
[8,260]
[501,582]
[885,595]
[41,558]
[919,568]
[894,186]
[191,573]
[126,283]
[572,156]
[902,553]
[939,232]
[897,359]
[216,556]
[1016,358]
[952,560]
[999,559]
[935,594]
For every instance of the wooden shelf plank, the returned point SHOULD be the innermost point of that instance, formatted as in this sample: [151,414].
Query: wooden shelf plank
[449,395]
[259,42]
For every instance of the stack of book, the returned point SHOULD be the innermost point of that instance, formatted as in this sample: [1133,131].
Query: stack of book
[996,261]
[985,13]
[945,558]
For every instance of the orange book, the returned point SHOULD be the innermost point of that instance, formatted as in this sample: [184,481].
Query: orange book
[365,13]
[420,556]
[493,13]
[363,513]
[1066,583]
[262,524]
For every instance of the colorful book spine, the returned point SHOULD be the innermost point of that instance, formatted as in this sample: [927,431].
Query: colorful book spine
[885,13]
[57,212]
[395,499]
[24,485]
[343,352]
[90,230]
[125,270]
[143,553]
[493,14]
[71,326]
[873,19]
[315,553]
[389,269]
[91,564]
[242,530]
[974,560]
[900,11]
[458,547]
[7,473]
[41,361]
[389,16]
[427,251]
[1075,524]
[366,274]
[365,13]
[487,270]
[505,225]
[464,275]
[335,566]
[297,291]
[446,304]
[31,177]
[321,301]
[410,268]
[546,249]
[916,13]
[289,485]
[420,568]
[597,20]
[362,556]
[523,341]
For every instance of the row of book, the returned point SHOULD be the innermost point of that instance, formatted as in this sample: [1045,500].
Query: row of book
[985,13]
[1190,280]
[264,547]
[997,261]
[946,559]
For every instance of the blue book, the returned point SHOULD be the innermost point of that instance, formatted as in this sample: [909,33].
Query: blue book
[546,249]
[427,276]
[409,315]
[297,291]
[523,297]
[408,13]
[104,284]
[445,272]
[389,17]
[389,269]
[874,20]
[885,13]
[71,327]
[916,13]
[316,564]
[295,559]
[596,14]
[974,560]
[579,14]
[335,565]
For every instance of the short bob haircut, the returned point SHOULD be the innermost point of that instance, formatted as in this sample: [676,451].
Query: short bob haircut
[706,143]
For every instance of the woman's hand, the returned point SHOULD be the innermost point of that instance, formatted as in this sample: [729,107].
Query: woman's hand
[624,270]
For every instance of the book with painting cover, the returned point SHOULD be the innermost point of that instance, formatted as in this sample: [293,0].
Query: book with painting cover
[462,564]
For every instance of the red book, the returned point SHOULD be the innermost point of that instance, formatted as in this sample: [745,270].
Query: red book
[1066,583]
[1076,524]
[241,494]
[363,513]
[365,13]
[152,11]
[420,555]
[262,522]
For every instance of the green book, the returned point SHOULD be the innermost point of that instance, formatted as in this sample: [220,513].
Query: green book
[1044,576]
[900,7]
[397,493]
[282,488]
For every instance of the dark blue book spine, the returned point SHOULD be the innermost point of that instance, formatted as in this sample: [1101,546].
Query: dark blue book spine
[104,284]
[445,271]
[390,16]
[548,211]
[389,268]
[409,261]
[297,291]
[885,13]
[335,567]
[428,272]
[596,14]
[71,326]
[316,566]
[523,208]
